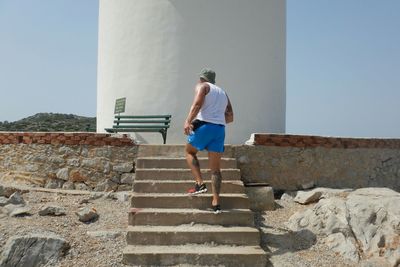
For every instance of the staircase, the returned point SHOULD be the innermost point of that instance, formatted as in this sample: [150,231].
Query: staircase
[168,227]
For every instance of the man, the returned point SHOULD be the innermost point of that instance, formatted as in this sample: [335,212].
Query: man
[205,127]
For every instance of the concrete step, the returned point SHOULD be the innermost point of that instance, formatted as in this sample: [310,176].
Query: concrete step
[196,255]
[193,234]
[170,217]
[170,186]
[156,162]
[182,174]
[175,151]
[201,201]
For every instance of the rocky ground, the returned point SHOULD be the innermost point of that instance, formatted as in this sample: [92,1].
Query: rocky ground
[96,243]
[289,248]
[100,241]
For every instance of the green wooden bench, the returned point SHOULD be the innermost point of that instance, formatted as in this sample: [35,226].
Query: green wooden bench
[149,123]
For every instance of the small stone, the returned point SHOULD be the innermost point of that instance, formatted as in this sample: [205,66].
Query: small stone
[85,152]
[68,186]
[95,195]
[125,187]
[31,168]
[106,167]
[17,210]
[16,199]
[73,162]
[77,176]
[63,174]
[307,197]
[123,167]
[122,196]
[66,150]
[54,183]
[52,211]
[104,234]
[84,201]
[82,186]
[3,201]
[57,160]
[127,178]
[116,179]
[87,214]
[7,191]
[107,186]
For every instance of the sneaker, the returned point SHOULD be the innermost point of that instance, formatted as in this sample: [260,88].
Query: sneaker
[198,189]
[216,209]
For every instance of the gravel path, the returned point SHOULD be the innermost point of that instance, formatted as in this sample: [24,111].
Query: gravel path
[100,243]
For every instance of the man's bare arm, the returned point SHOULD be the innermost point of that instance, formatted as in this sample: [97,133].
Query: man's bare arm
[201,92]
[229,112]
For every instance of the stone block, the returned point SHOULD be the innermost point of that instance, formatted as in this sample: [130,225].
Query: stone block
[78,175]
[123,167]
[261,198]
[127,178]
[63,174]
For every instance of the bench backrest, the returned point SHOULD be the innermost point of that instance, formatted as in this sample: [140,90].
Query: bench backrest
[144,121]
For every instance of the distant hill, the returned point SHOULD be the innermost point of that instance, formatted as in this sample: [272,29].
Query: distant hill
[51,122]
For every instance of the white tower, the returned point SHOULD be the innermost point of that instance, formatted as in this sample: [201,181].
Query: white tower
[150,51]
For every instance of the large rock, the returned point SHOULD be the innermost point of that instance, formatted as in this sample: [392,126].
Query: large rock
[33,250]
[363,225]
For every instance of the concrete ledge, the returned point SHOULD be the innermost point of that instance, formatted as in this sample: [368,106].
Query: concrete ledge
[288,140]
[65,138]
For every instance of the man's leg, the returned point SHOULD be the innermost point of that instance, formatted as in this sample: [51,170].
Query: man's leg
[193,163]
[214,159]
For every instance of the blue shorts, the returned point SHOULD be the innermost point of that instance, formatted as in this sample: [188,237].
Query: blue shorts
[209,136]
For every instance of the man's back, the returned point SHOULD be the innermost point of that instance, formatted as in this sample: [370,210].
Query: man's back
[214,106]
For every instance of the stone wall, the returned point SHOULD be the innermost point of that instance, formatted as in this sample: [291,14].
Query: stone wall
[289,162]
[85,161]
[293,162]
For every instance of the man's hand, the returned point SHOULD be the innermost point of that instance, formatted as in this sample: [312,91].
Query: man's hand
[187,128]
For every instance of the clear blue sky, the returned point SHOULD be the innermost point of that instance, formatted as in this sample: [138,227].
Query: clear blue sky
[343,63]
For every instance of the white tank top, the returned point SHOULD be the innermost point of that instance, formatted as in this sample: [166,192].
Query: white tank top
[214,106]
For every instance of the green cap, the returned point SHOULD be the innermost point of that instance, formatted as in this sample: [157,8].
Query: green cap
[208,75]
